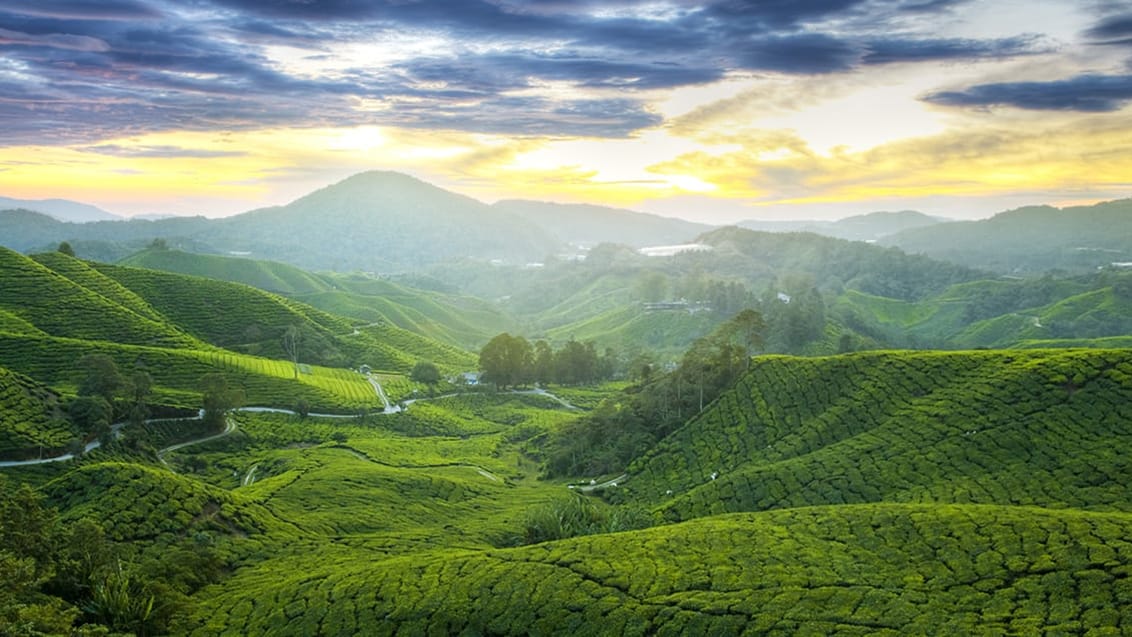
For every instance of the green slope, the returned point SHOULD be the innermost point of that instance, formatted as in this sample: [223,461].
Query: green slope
[241,318]
[177,372]
[271,276]
[136,503]
[854,570]
[1043,428]
[458,320]
[55,304]
[30,417]
[82,273]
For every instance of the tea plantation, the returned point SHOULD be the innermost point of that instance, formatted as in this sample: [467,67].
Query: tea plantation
[880,493]
[1038,428]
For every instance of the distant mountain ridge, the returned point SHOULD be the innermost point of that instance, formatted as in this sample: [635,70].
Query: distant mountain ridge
[588,225]
[61,209]
[1031,239]
[872,226]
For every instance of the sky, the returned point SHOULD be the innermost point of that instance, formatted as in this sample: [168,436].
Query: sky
[715,111]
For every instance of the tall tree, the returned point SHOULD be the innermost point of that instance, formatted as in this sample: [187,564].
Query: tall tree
[291,338]
[102,377]
[506,360]
[218,398]
[425,372]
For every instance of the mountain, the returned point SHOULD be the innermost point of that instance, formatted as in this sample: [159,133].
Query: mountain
[1030,240]
[56,309]
[876,225]
[381,221]
[867,227]
[587,225]
[375,221]
[60,209]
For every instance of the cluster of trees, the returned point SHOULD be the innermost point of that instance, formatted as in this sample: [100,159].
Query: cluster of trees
[606,440]
[509,360]
[106,395]
[69,579]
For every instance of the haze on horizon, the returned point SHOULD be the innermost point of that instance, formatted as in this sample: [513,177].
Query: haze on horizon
[714,111]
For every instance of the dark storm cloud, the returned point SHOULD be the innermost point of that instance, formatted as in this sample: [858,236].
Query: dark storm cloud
[1085,93]
[75,71]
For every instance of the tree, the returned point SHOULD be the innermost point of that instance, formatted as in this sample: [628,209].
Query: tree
[218,398]
[748,328]
[140,386]
[65,248]
[102,377]
[425,372]
[543,371]
[92,416]
[291,338]
[506,360]
[576,363]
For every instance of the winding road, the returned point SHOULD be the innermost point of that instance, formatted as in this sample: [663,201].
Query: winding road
[389,408]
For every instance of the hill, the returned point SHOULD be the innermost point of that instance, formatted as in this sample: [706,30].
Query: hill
[588,225]
[60,209]
[850,570]
[56,305]
[1031,240]
[31,417]
[1036,428]
[454,319]
[270,276]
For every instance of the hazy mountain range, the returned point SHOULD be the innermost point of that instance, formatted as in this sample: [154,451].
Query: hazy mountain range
[60,209]
[390,222]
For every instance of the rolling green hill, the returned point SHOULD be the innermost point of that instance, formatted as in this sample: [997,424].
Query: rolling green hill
[886,493]
[462,321]
[30,417]
[56,305]
[850,570]
[266,275]
[1038,428]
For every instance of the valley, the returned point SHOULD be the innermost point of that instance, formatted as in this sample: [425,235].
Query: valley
[782,433]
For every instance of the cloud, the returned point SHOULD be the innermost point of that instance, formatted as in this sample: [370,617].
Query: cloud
[163,151]
[1117,28]
[887,51]
[88,70]
[53,40]
[83,9]
[1092,150]
[1085,93]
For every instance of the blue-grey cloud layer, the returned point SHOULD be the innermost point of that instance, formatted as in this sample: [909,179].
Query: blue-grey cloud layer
[80,71]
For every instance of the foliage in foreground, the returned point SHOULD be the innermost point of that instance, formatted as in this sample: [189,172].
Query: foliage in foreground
[851,570]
